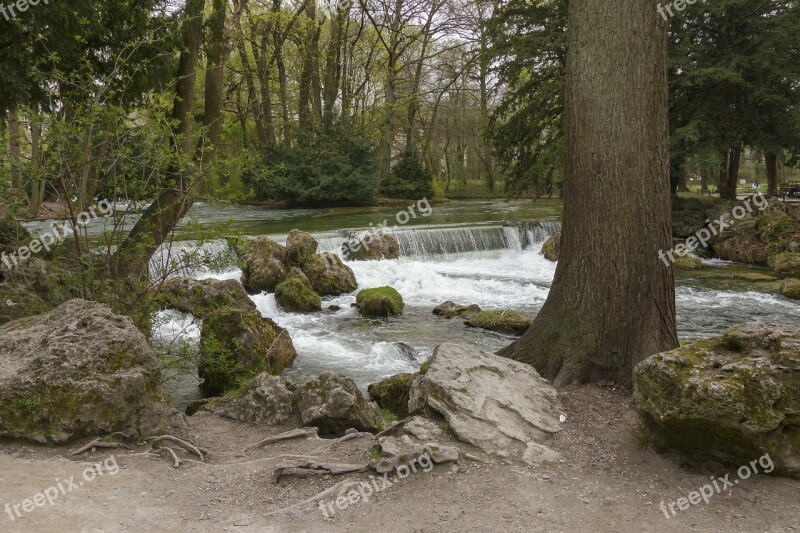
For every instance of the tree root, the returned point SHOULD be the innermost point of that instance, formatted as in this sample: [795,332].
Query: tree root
[180,442]
[98,443]
[303,465]
[303,433]
[170,454]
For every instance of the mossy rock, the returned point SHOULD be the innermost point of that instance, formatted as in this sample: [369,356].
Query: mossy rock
[382,302]
[237,345]
[328,275]
[729,399]
[202,297]
[791,288]
[393,393]
[551,249]
[296,294]
[17,302]
[786,264]
[689,262]
[262,261]
[452,310]
[300,247]
[508,321]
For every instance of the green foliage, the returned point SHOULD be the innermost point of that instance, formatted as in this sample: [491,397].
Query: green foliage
[335,167]
[410,178]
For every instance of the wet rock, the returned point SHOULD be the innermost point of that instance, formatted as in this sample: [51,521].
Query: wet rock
[551,249]
[333,403]
[791,288]
[393,393]
[371,246]
[382,302]
[730,399]
[78,371]
[236,345]
[296,294]
[267,399]
[202,297]
[491,402]
[328,275]
[508,322]
[263,263]
[689,262]
[300,247]
[452,310]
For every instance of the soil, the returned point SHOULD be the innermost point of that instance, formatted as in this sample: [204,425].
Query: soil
[606,482]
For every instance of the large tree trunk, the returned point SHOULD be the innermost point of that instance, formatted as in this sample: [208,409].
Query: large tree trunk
[612,302]
[214,89]
[771,160]
[132,258]
[38,184]
[15,151]
[729,174]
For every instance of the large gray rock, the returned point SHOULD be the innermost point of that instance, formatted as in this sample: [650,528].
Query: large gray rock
[551,249]
[498,405]
[77,371]
[267,399]
[202,297]
[731,398]
[333,403]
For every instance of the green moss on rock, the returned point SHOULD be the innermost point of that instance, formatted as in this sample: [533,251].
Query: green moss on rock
[393,393]
[791,288]
[689,262]
[507,321]
[381,302]
[551,249]
[296,294]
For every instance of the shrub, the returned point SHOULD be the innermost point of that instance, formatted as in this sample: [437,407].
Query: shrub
[410,178]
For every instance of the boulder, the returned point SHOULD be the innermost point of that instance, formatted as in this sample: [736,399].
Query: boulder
[236,345]
[333,403]
[78,371]
[688,216]
[791,288]
[202,297]
[296,294]
[551,249]
[452,310]
[730,399]
[785,264]
[371,246]
[393,393]
[300,247]
[508,322]
[382,302]
[501,406]
[267,399]
[263,263]
[688,262]
[328,275]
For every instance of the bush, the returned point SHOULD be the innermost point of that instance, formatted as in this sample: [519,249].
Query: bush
[410,178]
[335,167]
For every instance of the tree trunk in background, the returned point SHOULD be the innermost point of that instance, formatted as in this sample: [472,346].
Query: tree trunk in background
[283,86]
[612,302]
[38,183]
[682,186]
[771,161]
[722,177]
[15,151]
[214,89]
[705,177]
[333,62]
[132,258]
[733,173]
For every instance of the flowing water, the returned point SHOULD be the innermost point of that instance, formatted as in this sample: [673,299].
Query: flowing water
[471,253]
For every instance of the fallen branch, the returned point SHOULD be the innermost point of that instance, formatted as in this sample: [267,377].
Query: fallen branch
[303,433]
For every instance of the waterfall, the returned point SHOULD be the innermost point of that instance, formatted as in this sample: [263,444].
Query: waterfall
[533,231]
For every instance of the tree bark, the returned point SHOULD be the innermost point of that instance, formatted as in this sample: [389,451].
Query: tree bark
[612,302]
[38,183]
[132,258]
[771,160]
[214,88]
[15,151]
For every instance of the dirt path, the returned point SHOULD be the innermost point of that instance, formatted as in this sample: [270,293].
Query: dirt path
[606,482]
